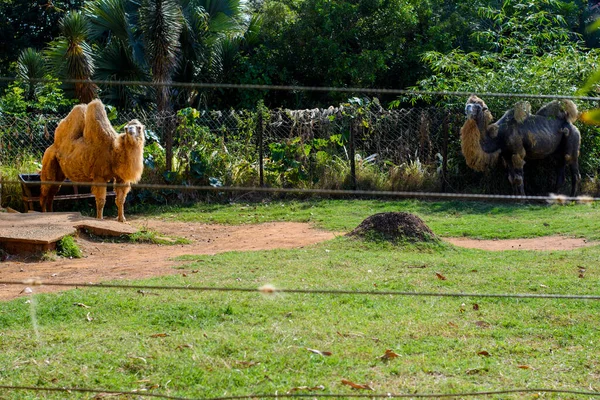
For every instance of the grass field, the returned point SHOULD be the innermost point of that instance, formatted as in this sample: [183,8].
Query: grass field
[210,344]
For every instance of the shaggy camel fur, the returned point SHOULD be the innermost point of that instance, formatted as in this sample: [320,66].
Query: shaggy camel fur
[87,149]
[520,135]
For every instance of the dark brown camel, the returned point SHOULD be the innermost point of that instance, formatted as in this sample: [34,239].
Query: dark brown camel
[519,136]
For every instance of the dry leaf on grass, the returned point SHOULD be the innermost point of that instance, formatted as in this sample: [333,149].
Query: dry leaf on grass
[482,324]
[440,276]
[89,317]
[524,366]
[476,307]
[319,352]
[160,335]
[184,346]
[81,305]
[475,371]
[247,364]
[483,353]
[357,385]
[389,354]
[350,334]
[103,395]
[307,388]
[452,324]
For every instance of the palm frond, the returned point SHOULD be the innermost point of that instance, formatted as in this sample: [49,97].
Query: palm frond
[107,17]
[30,65]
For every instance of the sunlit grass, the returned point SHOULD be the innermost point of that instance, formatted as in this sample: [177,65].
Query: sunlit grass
[199,344]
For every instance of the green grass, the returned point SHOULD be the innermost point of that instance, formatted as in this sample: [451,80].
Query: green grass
[446,219]
[236,343]
[66,247]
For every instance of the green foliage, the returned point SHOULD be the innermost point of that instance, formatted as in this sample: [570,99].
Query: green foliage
[13,101]
[28,24]
[517,57]
[66,247]
[47,97]
[10,168]
[149,236]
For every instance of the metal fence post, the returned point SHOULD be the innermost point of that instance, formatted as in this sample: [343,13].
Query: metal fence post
[352,154]
[260,131]
[445,153]
[167,124]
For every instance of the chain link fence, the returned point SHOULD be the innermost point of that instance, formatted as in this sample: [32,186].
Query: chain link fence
[344,147]
[388,136]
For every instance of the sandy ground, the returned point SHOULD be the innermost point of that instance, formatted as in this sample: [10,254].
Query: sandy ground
[110,261]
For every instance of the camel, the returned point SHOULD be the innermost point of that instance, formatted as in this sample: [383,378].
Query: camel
[87,149]
[519,136]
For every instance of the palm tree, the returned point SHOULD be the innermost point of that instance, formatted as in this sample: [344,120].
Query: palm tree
[149,40]
[31,70]
[70,56]
[162,41]
[161,22]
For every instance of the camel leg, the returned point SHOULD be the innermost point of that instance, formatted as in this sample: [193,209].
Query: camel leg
[572,158]
[51,172]
[120,200]
[99,193]
[560,175]
[517,164]
[575,178]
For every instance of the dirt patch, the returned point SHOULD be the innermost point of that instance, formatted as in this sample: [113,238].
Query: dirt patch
[112,261]
[547,243]
[109,261]
[394,227]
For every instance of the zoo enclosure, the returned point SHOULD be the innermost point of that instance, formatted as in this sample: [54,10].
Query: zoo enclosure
[282,147]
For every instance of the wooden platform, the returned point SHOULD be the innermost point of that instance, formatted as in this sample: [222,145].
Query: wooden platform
[39,232]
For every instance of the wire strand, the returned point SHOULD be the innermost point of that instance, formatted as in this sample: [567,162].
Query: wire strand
[312,395]
[273,290]
[327,192]
[201,85]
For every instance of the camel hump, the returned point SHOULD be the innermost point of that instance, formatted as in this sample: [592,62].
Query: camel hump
[71,127]
[561,109]
[522,111]
[571,111]
[97,126]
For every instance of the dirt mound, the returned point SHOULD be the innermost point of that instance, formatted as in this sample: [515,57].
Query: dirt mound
[394,227]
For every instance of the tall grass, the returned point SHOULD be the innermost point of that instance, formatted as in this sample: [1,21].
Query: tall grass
[10,194]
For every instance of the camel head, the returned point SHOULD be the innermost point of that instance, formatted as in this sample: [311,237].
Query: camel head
[477,110]
[135,129]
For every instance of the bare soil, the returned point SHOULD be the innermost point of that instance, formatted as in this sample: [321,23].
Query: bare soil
[105,261]
[111,261]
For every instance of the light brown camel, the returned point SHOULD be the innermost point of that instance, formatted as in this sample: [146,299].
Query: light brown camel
[87,149]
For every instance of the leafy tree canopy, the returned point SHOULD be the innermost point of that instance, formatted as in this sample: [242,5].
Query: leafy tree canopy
[29,24]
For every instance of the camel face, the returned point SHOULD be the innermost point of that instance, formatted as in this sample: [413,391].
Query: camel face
[475,108]
[135,129]
[474,111]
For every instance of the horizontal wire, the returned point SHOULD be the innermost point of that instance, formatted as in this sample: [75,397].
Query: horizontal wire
[201,85]
[272,290]
[312,395]
[86,390]
[333,192]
